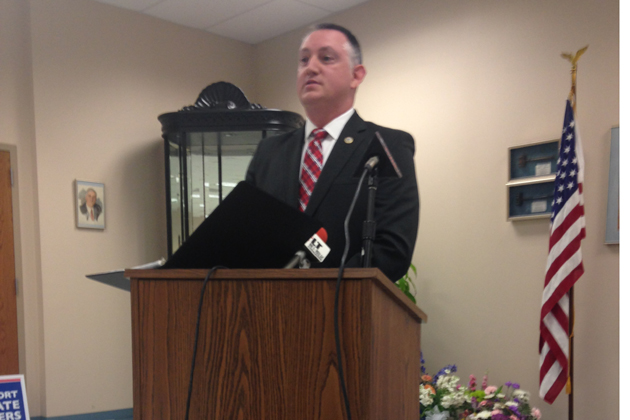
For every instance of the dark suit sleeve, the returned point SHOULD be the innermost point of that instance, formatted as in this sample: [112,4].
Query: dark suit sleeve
[397,210]
[256,165]
[274,168]
[250,175]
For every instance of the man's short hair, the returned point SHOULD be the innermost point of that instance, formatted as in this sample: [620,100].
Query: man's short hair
[355,48]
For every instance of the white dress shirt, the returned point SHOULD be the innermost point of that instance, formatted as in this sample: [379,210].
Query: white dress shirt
[333,128]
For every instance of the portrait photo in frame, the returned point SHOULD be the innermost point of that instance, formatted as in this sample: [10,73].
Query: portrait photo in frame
[90,204]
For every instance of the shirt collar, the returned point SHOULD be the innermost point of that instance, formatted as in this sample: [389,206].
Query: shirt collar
[333,128]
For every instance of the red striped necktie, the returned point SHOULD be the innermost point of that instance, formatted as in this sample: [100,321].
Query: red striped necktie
[312,166]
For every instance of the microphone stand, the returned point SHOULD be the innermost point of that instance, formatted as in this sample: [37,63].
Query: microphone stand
[299,260]
[369,224]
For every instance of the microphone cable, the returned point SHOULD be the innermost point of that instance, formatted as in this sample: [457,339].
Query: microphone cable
[342,382]
[192,367]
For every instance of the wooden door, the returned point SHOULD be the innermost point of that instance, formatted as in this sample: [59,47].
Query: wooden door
[8,304]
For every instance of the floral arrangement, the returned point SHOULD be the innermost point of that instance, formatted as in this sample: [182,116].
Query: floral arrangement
[443,398]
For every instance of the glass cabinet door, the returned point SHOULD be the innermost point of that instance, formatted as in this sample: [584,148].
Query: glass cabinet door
[215,163]
[174,196]
[208,147]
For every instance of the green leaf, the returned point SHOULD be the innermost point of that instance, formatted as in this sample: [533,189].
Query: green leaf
[412,297]
[404,283]
[404,286]
[413,268]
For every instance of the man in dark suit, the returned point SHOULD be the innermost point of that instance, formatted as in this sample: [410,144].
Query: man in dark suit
[91,209]
[315,172]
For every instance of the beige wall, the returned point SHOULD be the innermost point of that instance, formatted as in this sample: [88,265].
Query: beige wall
[18,136]
[469,79]
[100,77]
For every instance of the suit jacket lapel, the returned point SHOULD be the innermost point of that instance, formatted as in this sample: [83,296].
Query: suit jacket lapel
[338,159]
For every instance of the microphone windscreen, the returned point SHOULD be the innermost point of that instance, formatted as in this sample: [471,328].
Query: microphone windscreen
[323,234]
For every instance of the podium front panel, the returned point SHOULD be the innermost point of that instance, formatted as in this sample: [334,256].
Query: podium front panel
[266,348]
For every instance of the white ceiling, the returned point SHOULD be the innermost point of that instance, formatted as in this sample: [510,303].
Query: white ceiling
[250,21]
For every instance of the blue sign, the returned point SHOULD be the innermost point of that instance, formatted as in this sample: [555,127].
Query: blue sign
[13,405]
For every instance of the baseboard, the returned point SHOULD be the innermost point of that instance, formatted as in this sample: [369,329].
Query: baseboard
[126,414]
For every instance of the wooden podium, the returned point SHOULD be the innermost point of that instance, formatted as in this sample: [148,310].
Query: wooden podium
[266,345]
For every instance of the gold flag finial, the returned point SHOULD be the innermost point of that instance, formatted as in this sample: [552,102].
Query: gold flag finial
[573,58]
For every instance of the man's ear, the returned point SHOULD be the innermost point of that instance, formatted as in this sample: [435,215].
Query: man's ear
[358,74]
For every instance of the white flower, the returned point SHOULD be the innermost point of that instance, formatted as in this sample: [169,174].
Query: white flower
[521,395]
[447,401]
[452,400]
[426,396]
[512,404]
[436,414]
[447,382]
[426,400]
[483,415]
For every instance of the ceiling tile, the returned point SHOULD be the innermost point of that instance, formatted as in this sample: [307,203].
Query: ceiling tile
[268,21]
[250,21]
[137,5]
[201,13]
[334,5]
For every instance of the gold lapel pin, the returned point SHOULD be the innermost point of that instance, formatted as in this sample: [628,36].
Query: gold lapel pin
[348,140]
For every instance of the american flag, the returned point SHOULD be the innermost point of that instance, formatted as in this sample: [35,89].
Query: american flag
[564,262]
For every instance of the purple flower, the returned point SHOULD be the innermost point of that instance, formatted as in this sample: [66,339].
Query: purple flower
[508,384]
[442,372]
[515,385]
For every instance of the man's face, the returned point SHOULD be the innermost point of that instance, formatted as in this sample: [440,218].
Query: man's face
[325,73]
[90,198]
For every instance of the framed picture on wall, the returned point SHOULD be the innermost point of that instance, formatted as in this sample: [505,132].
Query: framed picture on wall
[531,178]
[530,199]
[533,160]
[90,204]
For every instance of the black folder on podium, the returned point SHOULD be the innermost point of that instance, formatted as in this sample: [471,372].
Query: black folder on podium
[249,229]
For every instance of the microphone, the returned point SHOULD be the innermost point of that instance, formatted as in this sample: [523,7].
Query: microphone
[317,247]
[378,153]
[322,234]
[371,163]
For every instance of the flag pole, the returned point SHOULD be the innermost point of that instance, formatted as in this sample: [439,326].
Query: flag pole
[573,58]
[573,100]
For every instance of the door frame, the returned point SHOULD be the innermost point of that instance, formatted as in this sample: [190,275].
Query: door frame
[17,252]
